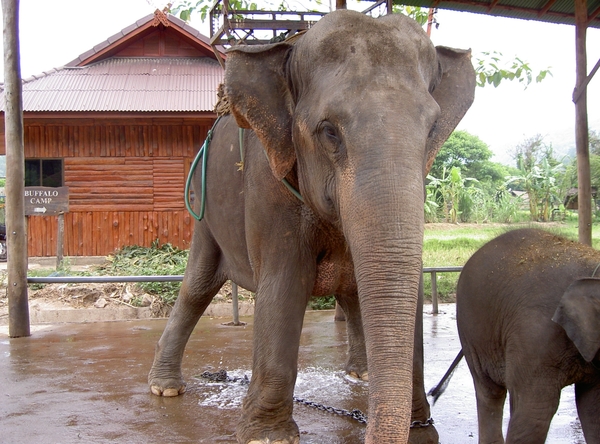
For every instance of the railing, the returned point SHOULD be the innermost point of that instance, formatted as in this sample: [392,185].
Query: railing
[232,26]
[433,271]
[241,26]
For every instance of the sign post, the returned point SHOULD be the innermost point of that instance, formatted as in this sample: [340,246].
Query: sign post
[49,201]
[46,201]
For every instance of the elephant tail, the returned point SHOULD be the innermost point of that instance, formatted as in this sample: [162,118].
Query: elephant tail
[440,388]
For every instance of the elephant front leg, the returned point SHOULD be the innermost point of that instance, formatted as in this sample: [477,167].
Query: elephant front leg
[165,377]
[267,408]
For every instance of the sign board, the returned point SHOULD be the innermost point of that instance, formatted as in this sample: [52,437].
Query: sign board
[46,201]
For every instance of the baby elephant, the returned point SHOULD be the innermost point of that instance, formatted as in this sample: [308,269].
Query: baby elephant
[528,313]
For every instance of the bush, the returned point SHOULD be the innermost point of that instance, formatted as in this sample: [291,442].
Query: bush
[158,260]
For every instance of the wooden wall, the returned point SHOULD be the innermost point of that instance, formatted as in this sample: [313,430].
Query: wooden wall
[125,179]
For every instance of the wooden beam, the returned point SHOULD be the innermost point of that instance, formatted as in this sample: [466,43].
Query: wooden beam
[581,125]
[16,228]
[593,15]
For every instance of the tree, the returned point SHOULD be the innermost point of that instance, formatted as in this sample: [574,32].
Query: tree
[539,175]
[594,139]
[469,153]
[452,191]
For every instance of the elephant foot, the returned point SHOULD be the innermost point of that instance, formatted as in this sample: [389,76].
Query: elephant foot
[167,387]
[293,440]
[286,433]
[364,376]
[423,435]
[167,392]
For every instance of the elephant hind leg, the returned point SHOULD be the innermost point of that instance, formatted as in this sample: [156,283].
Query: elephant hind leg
[490,405]
[200,284]
[587,397]
[531,411]
[356,364]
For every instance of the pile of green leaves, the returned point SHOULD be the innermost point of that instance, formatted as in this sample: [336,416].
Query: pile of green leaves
[159,260]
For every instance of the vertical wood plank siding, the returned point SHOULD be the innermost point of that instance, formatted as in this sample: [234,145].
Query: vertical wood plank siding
[125,182]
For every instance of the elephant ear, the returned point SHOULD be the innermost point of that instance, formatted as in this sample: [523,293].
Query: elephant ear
[454,94]
[257,89]
[579,314]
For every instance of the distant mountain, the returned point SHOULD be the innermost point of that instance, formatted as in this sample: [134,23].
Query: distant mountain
[563,141]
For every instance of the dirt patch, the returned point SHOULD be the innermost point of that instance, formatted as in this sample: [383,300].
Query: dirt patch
[102,296]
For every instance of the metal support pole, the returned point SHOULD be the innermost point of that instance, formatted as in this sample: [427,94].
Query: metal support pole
[234,300]
[434,293]
[60,240]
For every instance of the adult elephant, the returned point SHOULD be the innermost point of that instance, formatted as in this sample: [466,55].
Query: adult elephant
[528,313]
[351,115]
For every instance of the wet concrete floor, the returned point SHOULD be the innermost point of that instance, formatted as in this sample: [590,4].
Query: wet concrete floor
[86,383]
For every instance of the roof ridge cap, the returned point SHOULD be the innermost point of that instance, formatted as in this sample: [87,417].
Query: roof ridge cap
[34,77]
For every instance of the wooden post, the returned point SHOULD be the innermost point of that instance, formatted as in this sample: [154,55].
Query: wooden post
[16,231]
[430,20]
[60,239]
[581,125]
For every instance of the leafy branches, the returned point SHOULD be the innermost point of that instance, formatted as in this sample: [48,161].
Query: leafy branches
[491,68]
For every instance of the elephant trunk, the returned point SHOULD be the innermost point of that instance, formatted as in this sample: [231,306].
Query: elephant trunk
[384,227]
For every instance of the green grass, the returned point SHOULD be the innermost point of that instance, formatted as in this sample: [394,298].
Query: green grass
[452,245]
[443,245]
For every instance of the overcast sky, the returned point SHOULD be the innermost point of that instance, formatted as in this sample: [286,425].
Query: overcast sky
[55,32]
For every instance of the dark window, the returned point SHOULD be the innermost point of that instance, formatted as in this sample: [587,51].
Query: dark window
[43,173]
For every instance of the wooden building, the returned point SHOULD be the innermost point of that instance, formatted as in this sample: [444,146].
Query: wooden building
[120,126]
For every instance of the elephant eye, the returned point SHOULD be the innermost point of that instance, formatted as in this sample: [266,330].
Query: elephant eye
[329,132]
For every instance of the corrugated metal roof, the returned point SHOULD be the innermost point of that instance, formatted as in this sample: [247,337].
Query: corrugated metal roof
[154,19]
[125,84]
[553,11]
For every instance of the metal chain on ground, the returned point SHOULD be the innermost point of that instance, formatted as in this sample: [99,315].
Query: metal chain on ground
[222,376]
[419,424]
[357,415]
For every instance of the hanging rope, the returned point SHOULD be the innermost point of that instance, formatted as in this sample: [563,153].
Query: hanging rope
[202,154]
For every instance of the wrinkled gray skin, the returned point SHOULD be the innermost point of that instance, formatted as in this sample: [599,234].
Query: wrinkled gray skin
[352,114]
[528,313]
